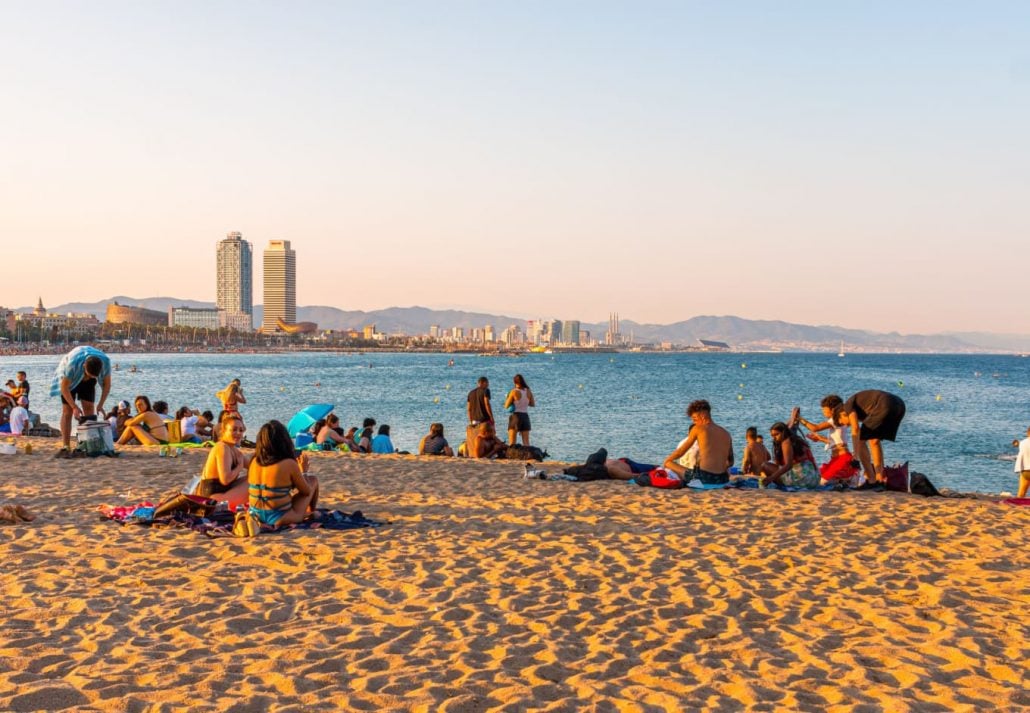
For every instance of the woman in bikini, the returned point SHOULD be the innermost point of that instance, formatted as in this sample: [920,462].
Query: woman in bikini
[327,434]
[146,427]
[232,396]
[280,491]
[225,473]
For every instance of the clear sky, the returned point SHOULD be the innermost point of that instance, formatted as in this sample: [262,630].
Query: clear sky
[864,164]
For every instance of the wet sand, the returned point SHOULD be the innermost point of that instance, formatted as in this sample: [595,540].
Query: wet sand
[489,592]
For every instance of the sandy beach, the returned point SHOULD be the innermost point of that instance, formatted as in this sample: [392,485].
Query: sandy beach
[486,591]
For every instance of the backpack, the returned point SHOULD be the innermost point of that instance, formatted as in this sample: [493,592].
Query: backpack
[659,478]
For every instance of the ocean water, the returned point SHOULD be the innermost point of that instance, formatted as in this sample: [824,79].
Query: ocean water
[963,410]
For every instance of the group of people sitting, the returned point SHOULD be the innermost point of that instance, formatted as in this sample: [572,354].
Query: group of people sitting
[150,425]
[706,455]
[329,434]
[273,481]
[14,406]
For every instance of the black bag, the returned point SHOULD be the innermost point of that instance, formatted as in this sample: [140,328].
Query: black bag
[191,504]
[592,469]
[919,484]
[525,453]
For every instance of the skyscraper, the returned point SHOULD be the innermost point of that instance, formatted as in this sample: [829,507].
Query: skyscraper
[280,285]
[234,276]
[570,332]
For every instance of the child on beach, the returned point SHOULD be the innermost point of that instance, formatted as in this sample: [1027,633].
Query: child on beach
[755,453]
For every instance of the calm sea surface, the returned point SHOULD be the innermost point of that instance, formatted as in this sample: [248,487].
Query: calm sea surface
[963,411]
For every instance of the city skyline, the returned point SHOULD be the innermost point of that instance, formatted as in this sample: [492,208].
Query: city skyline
[740,159]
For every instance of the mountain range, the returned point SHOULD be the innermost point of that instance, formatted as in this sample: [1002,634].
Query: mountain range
[736,331]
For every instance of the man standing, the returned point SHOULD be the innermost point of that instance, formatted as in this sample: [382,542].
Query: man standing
[714,442]
[874,416]
[76,377]
[479,412]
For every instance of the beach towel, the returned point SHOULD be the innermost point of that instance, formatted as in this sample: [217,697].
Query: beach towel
[1017,501]
[220,523]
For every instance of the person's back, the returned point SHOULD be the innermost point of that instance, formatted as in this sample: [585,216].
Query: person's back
[716,447]
[382,443]
[19,418]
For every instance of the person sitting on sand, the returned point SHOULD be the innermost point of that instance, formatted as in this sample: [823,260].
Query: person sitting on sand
[18,419]
[434,443]
[231,396]
[715,443]
[755,453]
[1023,465]
[224,476]
[794,465]
[188,419]
[328,435]
[205,425]
[363,437]
[281,492]
[486,443]
[146,427]
[381,443]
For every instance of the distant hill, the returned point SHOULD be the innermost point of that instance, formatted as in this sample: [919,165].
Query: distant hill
[736,331]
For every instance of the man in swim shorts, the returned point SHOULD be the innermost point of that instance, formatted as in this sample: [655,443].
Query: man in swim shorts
[76,378]
[715,443]
[874,416]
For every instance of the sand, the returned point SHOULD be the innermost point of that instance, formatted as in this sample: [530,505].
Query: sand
[490,592]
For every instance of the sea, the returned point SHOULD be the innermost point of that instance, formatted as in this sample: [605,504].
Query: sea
[963,411]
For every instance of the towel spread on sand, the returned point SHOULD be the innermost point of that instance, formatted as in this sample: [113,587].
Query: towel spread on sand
[219,524]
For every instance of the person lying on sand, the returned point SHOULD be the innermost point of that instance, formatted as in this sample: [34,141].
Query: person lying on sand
[15,514]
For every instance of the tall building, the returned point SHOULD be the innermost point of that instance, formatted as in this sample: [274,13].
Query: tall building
[570,332]
[235,280]
[280,285]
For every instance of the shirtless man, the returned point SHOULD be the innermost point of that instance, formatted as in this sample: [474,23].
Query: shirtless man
[715,443]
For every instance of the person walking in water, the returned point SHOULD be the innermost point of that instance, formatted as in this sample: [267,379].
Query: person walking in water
[874,417]
[518,402]
[76,379]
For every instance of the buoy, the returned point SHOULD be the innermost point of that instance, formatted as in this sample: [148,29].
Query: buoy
[581,386]
[938,397]
[743,365]
[742,386]
[740,397]
[901,384]
[436,399]
[447,387]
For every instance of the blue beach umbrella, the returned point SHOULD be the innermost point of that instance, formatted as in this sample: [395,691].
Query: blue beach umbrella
[306,416]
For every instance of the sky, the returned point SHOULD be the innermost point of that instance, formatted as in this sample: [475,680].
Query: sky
[861,164]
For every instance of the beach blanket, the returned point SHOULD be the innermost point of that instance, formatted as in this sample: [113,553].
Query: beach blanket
[219,524]
[1017,501]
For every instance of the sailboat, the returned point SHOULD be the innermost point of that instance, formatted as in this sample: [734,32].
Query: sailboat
[841,352]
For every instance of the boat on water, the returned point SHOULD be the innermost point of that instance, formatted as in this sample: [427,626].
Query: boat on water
[841,352]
